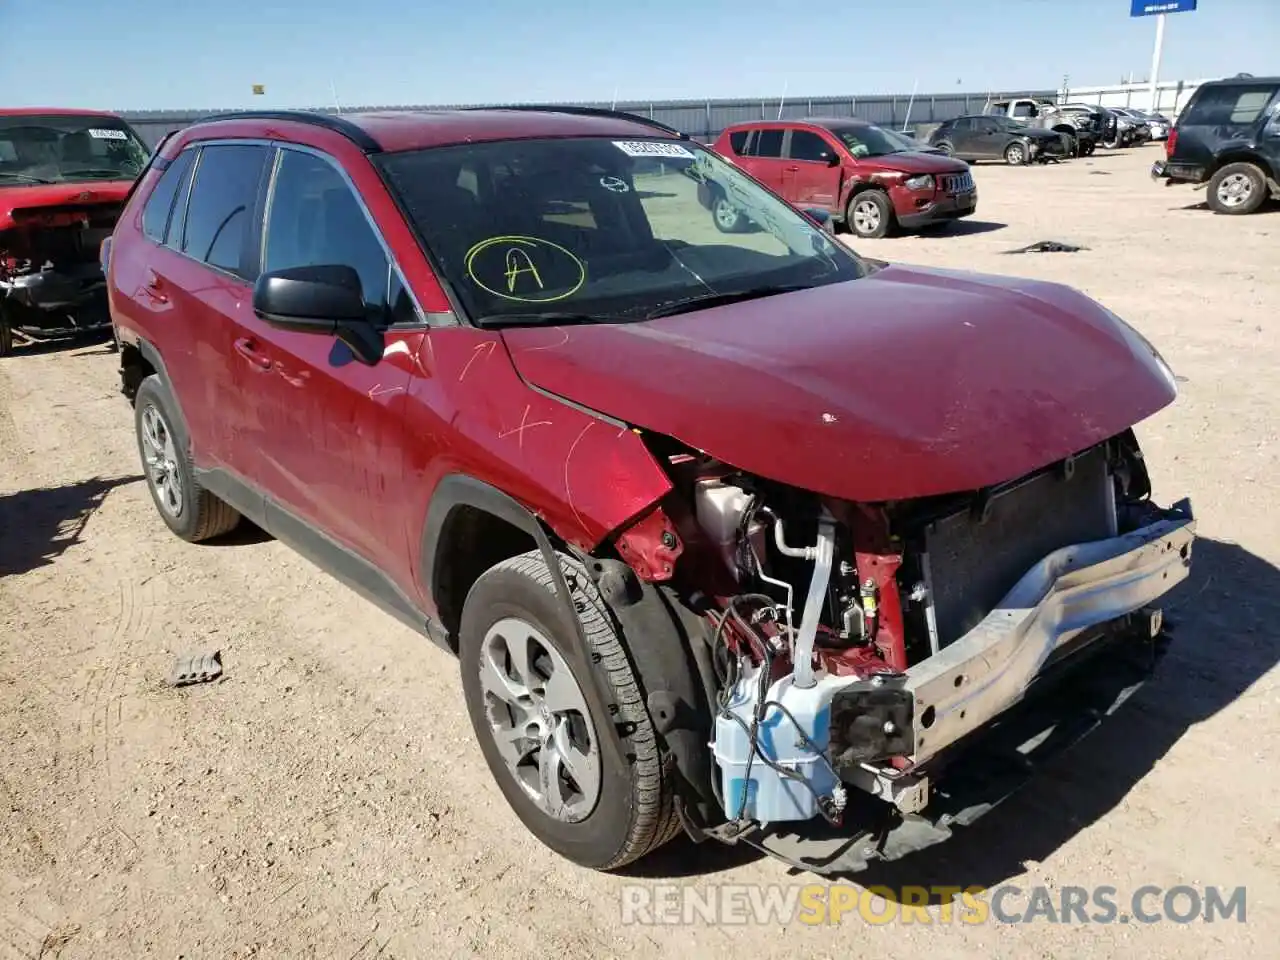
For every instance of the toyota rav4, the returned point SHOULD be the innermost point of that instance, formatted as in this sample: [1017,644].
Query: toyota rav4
[739,534]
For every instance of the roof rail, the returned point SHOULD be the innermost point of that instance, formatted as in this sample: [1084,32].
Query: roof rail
[587,112]
[338,124]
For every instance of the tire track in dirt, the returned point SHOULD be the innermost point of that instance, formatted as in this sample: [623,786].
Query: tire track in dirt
[12,450]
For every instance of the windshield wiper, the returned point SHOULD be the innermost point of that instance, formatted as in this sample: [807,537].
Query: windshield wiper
[550,319]
[97,172]
[721,299]
[24,177]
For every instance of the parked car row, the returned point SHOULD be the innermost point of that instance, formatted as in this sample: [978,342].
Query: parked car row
[64,175]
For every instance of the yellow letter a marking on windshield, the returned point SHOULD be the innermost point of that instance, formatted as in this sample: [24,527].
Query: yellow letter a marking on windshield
[518,262]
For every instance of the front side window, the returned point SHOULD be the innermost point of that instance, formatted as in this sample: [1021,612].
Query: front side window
[597,229]
[806,145]
[68,149]
[314,219]
[224,194]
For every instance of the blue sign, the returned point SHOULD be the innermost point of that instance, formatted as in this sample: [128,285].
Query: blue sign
[1149,8]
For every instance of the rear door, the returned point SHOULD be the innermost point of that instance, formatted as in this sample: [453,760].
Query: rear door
[809,177]
[763,159]
[189,288]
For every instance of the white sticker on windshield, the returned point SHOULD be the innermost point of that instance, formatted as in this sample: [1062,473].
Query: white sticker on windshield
[648,148]
[103,133]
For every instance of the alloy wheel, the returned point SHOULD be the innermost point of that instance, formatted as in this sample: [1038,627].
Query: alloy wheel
[160,455]
[539,720]
[866,216]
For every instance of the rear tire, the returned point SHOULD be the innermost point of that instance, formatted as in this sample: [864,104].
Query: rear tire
[188,509]
[597,814]
[1237,189]
[870,214]
[946,148]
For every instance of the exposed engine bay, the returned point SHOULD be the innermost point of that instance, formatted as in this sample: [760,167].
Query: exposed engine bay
[858,647]
[51,278]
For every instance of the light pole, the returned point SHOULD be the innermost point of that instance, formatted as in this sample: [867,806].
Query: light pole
[1155,62]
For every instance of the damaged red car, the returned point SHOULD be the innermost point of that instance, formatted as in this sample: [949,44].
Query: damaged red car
[735,534]
[64,175]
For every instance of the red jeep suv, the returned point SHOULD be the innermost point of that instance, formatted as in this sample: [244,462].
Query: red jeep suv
[871,179]
[738,534]
[64,175]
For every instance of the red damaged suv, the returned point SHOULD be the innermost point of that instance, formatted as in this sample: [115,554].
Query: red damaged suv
[735,534]
[870,179]
[64,175]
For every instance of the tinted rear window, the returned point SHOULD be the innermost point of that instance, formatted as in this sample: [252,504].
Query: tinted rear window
[222,202]
[1238,104]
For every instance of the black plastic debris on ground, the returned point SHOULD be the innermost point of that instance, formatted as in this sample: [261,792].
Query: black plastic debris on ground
[1048,246]
[196,668]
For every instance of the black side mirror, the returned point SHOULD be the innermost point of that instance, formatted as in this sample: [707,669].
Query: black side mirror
[833,160]
[325,299]
[820,217]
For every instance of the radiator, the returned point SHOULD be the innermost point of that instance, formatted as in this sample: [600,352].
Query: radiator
[970,564]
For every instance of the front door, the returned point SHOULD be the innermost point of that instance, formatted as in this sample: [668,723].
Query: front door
[988,139]
[330,447]
[812,172]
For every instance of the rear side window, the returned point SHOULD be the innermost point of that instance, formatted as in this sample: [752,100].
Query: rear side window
[738,141]
[223,197]
[768,144]
[159,206]
[1236,105]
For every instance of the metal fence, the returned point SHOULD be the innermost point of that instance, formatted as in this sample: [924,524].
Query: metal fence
[702,119]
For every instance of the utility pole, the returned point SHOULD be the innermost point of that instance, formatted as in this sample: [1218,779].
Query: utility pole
[1155,62]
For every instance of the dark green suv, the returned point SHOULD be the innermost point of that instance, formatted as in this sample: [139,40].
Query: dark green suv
[1228,139]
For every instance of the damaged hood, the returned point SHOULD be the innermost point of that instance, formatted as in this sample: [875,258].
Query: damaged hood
[906,383]
[34,204]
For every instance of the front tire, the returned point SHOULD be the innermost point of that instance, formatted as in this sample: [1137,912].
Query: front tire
[1015,154]
[6,335]
[189,510]
[537,732]
[1237,189]
[870,214]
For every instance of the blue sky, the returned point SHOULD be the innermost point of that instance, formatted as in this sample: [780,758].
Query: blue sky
[148,54]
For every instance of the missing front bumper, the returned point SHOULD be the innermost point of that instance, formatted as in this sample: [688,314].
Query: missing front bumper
[972,681]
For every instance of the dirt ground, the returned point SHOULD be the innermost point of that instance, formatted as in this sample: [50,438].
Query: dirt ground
[326,798]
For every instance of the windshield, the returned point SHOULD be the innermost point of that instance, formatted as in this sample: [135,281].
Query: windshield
[62,149]
[593,229]
[866,140]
